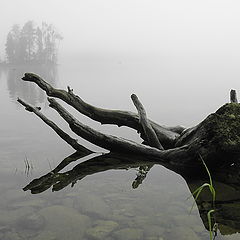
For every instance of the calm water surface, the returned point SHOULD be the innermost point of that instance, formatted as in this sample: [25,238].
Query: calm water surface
[102,205]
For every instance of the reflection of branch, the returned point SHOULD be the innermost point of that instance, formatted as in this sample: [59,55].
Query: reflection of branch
[94,165]
[227,211]
[141,175]
[227,201]
[47,180]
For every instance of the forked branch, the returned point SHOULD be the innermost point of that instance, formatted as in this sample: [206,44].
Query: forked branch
[216,138]
[166,135]
[109,142]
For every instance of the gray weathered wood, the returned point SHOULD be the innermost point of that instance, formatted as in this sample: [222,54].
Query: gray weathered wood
[71,141]
[149,132]
[233,96]
[216,138]
[166,135]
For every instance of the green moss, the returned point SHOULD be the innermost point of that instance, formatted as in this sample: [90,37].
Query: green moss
[223,127]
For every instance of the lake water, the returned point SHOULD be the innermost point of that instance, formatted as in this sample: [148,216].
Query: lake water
[102,205]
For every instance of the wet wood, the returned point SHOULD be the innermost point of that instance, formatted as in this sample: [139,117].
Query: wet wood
[216,138]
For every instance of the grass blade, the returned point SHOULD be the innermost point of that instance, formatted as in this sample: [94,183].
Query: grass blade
[210,223]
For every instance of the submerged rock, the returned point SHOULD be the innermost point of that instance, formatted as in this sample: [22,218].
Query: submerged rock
[93,205]
[63,223]
[14,194]
[30,203]
[187,220]
[33,222]
[183,233]
[47,235]
[129,234]
[12,236]
[153,231]
[101,230]
[9,217]
[153,238]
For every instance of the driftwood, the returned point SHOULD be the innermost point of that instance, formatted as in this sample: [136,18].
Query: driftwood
[216,139]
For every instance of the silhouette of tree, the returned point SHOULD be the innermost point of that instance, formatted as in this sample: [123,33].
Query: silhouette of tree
[10,48]
[50,39]
[27,41]
[33,44]
[47,41]
[12,44]
[39,41]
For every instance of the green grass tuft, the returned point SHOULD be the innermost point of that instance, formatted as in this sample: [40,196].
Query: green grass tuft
[196,194]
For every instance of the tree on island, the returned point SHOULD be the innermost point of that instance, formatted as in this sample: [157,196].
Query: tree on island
[32,44]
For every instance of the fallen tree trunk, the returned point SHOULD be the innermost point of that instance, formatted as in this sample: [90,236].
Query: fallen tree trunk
[216,139]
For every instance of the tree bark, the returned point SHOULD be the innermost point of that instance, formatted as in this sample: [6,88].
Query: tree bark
[72,142]
[216,139]
[148,131]
[113,143]
[166,135]
[233,96]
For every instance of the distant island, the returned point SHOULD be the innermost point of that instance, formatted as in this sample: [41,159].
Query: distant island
[32,44]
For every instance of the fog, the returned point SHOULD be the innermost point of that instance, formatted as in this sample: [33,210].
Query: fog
[174,51]
[133,28]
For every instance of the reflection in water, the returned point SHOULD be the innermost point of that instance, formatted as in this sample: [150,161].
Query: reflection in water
[29,92]
[141,175]
[227,202]
[1,72]
[226,183]
[125,209]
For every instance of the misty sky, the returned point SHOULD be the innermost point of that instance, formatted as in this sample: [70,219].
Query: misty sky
[133,27]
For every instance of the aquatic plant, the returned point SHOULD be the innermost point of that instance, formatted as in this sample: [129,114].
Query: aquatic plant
[211,229]
[196,194]
[209,185]
[28,166]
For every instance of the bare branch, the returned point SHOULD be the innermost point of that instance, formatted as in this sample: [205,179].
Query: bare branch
[216,138]
[113,143]
[167,136]
[72,142]
[150,134]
